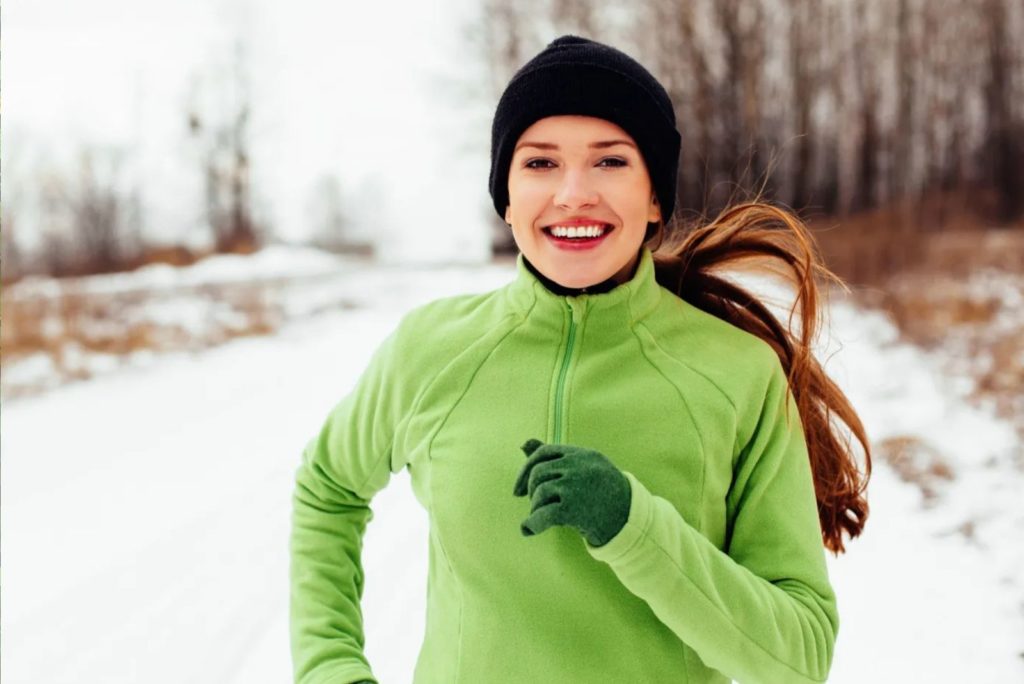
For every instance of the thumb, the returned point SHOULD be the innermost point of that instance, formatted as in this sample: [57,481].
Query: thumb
[530,446]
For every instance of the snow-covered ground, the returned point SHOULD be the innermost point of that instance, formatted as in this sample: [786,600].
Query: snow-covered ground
[164,308]
[146,512]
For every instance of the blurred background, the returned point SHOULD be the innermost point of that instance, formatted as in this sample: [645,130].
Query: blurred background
[213,210]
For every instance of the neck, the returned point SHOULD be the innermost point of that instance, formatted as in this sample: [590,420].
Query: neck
[562,290]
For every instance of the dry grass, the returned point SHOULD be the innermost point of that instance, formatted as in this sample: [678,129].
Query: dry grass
[79,264]
[918,463]
[926,306]
[940,233]
[965,300]
[67,325]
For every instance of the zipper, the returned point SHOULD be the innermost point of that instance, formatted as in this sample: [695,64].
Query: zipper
[577,309]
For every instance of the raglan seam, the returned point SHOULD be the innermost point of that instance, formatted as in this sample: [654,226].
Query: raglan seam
[385,457]
[636,319]
[699,372]
[703,478]
[430,443]
[740,443]
[682,398]
[465,389]
[703,448]
[381,460]
[636,315]
[729,621]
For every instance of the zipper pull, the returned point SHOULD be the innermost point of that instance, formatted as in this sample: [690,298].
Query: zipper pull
[578,307]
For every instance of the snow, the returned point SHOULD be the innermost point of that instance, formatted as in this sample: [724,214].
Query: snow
[918,600]
[190,308]
[146,511]
[275,261]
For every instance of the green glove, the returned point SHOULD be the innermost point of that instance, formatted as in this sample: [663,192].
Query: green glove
[574,486]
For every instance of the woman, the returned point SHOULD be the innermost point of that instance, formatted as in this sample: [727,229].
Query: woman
[628,464]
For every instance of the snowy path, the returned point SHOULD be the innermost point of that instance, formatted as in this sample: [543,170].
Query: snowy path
[145,520]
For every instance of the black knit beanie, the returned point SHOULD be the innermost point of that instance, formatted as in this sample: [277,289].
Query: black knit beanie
[574,75]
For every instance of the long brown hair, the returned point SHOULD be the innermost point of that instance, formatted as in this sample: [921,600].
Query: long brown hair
[775,241]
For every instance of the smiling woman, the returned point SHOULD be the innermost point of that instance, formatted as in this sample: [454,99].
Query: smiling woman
[579,209]
[620,452]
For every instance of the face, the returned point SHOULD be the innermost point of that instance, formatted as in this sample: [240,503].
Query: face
[580,199]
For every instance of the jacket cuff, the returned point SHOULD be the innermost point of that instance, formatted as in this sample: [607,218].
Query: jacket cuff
[346,674]
[639,521]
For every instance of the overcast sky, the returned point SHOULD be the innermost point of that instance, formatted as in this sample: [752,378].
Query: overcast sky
[365,91]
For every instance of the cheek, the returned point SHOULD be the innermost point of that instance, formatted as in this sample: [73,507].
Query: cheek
[631,197]
[526,197]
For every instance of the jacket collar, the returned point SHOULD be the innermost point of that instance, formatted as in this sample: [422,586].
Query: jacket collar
[559,289]
[627,302]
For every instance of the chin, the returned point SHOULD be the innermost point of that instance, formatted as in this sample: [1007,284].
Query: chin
[580,276]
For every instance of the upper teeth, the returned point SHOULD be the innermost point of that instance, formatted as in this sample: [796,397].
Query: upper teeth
[577,231]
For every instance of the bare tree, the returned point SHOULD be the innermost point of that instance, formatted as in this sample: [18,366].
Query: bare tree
[894,105]
[1004,145]
[738,99]
[105,211]
[506,40]
[666,35]
[56,256]
[332,229]
[11,258]
[12,261]
[220,128]
[575,16]
[803,53]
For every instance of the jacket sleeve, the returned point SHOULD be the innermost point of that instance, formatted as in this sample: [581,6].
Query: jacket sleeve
[342,467]
[763,610]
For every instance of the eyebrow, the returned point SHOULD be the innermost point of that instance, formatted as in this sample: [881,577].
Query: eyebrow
[552,146]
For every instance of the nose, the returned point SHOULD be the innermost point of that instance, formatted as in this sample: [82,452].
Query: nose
[575,190]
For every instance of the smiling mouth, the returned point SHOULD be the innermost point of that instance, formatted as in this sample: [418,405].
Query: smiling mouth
[581,233]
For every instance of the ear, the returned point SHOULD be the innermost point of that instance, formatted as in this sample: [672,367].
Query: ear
[654,213]
[508,215]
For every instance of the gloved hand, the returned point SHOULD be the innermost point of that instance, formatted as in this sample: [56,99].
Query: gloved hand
[574,486]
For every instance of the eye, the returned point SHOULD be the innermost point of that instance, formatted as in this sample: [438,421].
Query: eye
[618,161]
[532,164]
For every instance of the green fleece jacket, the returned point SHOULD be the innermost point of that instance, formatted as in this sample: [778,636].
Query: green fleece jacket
[719,571]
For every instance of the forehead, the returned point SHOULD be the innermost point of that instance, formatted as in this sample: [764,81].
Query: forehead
[572,129]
